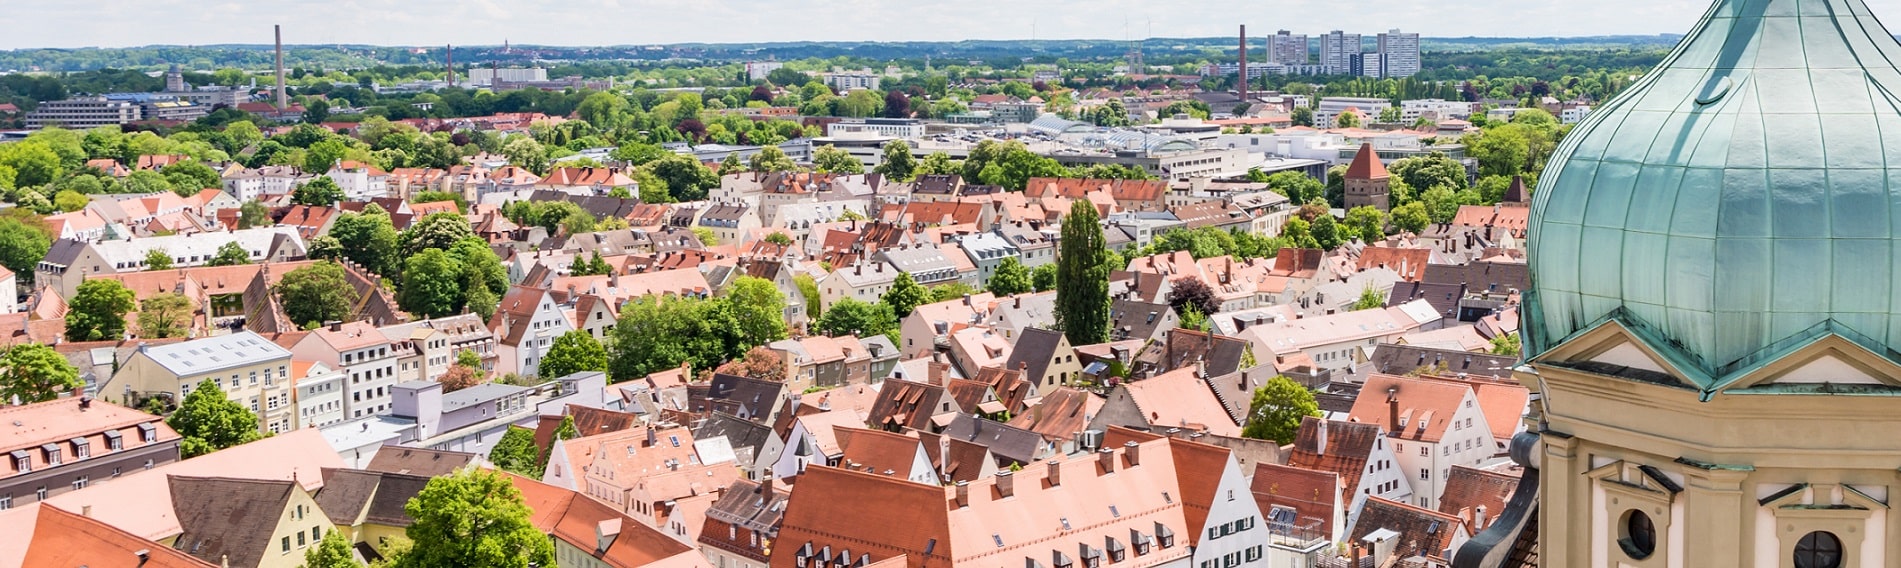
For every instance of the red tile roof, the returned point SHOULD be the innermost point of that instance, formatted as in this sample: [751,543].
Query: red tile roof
[1410,263]
[1468,489]
[62,539]
[1314,495]
[1366,164]
[1426,406]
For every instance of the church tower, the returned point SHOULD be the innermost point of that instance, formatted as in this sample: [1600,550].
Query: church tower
[1713,334]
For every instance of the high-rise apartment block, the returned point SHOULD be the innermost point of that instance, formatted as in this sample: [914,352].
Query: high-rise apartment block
[1337,51]
[1399,54]
[1288,48]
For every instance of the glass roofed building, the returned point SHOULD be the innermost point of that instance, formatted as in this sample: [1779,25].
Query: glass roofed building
[1711,334]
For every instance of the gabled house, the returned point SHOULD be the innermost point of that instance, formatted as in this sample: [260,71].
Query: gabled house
[247,523]
[1177,399]
[525,324]
[1045,358]
[1432,425]
[54,537]
[742,525]
[1358,453]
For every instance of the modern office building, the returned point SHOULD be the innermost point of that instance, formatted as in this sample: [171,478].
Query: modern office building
[80,113]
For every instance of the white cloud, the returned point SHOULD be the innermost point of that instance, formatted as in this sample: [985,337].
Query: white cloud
[619,22]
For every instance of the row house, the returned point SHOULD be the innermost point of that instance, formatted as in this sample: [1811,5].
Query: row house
[363,354]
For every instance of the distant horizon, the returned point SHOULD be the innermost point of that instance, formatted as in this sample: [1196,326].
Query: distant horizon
[109,24]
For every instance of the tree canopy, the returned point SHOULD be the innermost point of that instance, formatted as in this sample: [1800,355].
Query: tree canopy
[473,519]
[1277,410]
[573,352]
[209,421]
[316,293]
[97,311]
[1082,283]
[32,373]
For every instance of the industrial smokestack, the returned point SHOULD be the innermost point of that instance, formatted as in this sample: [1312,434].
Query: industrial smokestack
[282,97]
[1244,63]
[450,52]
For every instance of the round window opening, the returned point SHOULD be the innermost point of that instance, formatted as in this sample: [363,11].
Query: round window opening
[1640,535]
[1819,549]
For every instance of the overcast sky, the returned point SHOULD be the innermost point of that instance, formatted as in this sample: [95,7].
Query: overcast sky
[119,23]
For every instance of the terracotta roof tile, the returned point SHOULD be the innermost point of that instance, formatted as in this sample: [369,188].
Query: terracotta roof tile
[62,539]
[1366,164]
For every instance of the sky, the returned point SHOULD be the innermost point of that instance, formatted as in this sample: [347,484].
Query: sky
[122,23]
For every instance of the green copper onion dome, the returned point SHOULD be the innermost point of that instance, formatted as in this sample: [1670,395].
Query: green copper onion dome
[1742,197]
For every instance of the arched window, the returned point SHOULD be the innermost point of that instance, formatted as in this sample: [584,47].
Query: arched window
[1819,549]
[1639,538]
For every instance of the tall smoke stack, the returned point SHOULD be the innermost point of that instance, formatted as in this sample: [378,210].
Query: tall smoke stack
[450,52]
[1244,63]
[283,100]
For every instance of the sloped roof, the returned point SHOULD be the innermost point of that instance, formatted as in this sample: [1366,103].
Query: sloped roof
[62,539]
[1469,488]
[419,461]
[1422,532]
[1426,407]
[1060,414]
[1366,164]
[1314,495]
[220,517]
[1348,446]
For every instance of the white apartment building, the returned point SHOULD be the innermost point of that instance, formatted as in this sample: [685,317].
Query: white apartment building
[251,371]
[866,281]
[892,127]
[1574,114]
[361,353]
[850,81]
[1399,53]
[479,76]
[81,113]
[360,182]
[1337,50]
[1439,425]
[758,70]
[318,396]
[1436,109]
[1288,48]
[1330,107]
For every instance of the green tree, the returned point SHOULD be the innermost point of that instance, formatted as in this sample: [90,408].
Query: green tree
[1434,170]
[158,259]
[897,164]
[369,239]
[1082,282]
[830,159]
[603,110]
[852,317]
[937,163]
[1505,345]
[516,452]
[1411,217]
[573,352]
[69,201]
[31,373]
[1346,119]
[321,191]
[190,176]
[1370,298]
[1326,232]
[1010,278]
[1277,410]
[731,165]
[808,289]
[1366,223]
[779,238]
[760,309]
[1390,115]
[209,421]
[325,154]
[706,236]
[432,285]
[1043,277]
[1501,151]
[905,295]
[771,159]
[164,315]
[97,311]
[473,519]
[566,431]
[525,152]
[1298,187]
[654,335]
[253,214]
[436,231]
[686,178]
[231,254]
[23,243]
[317,293]
[332,552]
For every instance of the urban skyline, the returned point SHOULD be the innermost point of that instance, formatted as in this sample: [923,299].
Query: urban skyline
[379,22]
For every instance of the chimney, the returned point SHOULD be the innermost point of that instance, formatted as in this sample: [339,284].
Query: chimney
[653,436]
[1478,519]
[336,326]
[1056,472]
[282,97]
[145,555]
[450,53]
[765,487]
[963,494]
[1107,459]
[1133,451]
[1320,440]
[1392,410]
[85,510]
[1006,484]
[1244,64]
[966,299]
[85,402]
